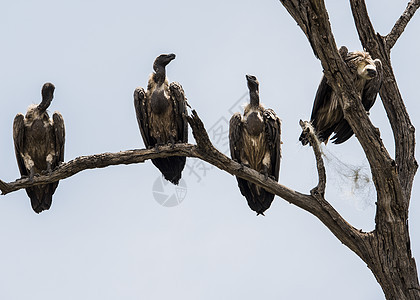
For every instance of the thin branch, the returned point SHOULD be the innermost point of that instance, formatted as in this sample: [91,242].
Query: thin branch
[308,129]
[401,23]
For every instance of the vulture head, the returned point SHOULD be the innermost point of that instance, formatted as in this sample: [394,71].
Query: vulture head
[363,63]
[252,82]
[162,61]
[47,96]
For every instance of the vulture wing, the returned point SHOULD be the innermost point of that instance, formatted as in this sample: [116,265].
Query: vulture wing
[59,132]
[236,146]
[321,102]
[273,134]
[343,130]
[18,138]
[235,137]
[180,110]
[140,104]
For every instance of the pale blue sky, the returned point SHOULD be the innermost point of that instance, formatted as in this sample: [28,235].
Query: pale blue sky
[105,237]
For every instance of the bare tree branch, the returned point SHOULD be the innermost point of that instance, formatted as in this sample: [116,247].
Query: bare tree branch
[315,203]
[102,160]
[401,23]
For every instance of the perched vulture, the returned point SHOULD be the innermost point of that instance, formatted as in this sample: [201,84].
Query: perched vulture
[159,114]
[327,116]
[255,142]
[39,146]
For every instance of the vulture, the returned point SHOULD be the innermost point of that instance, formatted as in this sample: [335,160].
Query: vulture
[327,116]
[39,146]
[159,113]
[254,140]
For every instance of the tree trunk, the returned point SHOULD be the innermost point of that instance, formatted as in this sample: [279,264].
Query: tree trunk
[389,258]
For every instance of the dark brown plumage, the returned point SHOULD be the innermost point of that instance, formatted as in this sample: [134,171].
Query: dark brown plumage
[159,114]
[39,146]
[327,116]
[255,142]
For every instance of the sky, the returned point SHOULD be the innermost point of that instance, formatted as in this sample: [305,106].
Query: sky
[123,233]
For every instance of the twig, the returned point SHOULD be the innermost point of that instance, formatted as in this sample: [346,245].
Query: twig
[401,23]
[314,142]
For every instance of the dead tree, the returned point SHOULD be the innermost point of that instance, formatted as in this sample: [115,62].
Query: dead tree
[386,250]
